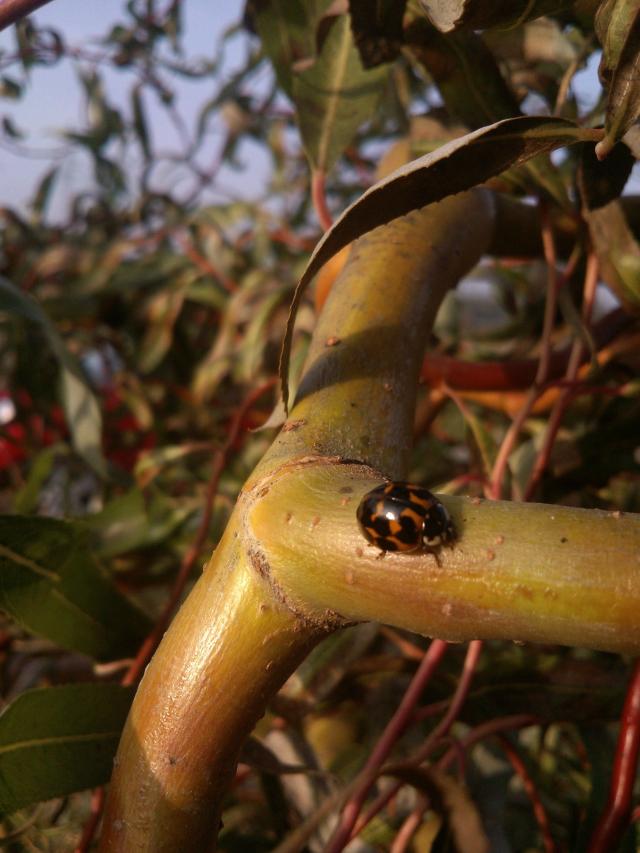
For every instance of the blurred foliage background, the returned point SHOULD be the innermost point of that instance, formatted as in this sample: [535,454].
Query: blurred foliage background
[143,302]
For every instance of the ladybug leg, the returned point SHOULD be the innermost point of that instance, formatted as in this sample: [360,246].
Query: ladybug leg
[381,552]
[435,553]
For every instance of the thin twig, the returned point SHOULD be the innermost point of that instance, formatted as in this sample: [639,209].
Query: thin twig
[617,813]
[554,283]
[532,792]
[392,732]
[557,413]
[319,199]
[434,738]
[97,804]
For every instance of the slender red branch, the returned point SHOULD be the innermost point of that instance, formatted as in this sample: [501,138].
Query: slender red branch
[554,283]
[516,374]
[435,736]
[319,199]
[485,730]
[409,828]
[97,804]
[392,732]
[204,264]
[617,813]
[12,10]
[532,792]
[557,413]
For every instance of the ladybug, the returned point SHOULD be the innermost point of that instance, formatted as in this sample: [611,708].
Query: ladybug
[404,517]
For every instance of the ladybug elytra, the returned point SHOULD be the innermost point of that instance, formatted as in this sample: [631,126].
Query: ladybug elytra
[403,517]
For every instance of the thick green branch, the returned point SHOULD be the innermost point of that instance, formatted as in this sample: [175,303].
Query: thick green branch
[245,627]
[529,572]
[228,650]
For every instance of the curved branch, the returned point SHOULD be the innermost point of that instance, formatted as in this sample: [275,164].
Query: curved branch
[13,10]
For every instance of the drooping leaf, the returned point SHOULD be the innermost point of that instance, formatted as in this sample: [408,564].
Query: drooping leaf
[164,310]
[136,520]
[603,181]
[287,29]
[43,192]
[335,96]
[465,72]
[81,407]
[377,29]
[58,740]
[52,586]
[620,70]
[459,165]
[140,122]
[618,252]
[448,15]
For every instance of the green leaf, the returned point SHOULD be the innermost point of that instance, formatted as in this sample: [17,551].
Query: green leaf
[57,740]
[620,67]
[335,96]
[377,29]
[459,165]
[618,252]
[52,586]
[466,73]
[448,15]
[140,122]
[43,192]
[164,310]
[601,182]
[287,29]
[40,468]
[136,520]
[81,407]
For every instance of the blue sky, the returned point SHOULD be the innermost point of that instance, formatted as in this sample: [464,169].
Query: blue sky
[54,100]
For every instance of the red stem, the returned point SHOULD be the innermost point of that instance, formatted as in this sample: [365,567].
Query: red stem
[532,792]
[516,374]
[392,732]
[617,813]
[485,730]
[557,413]
[440,731]
[97,804]
[319,199]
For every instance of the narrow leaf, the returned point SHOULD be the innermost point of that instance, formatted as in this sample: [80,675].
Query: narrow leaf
[335,96]
[80,404]
[448,15]
[601,182]
[57,740]
[43,192]
[377,29]
[623,103]
[140,122]
[618,252]
[458,165]
[51,585]
[287,29]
